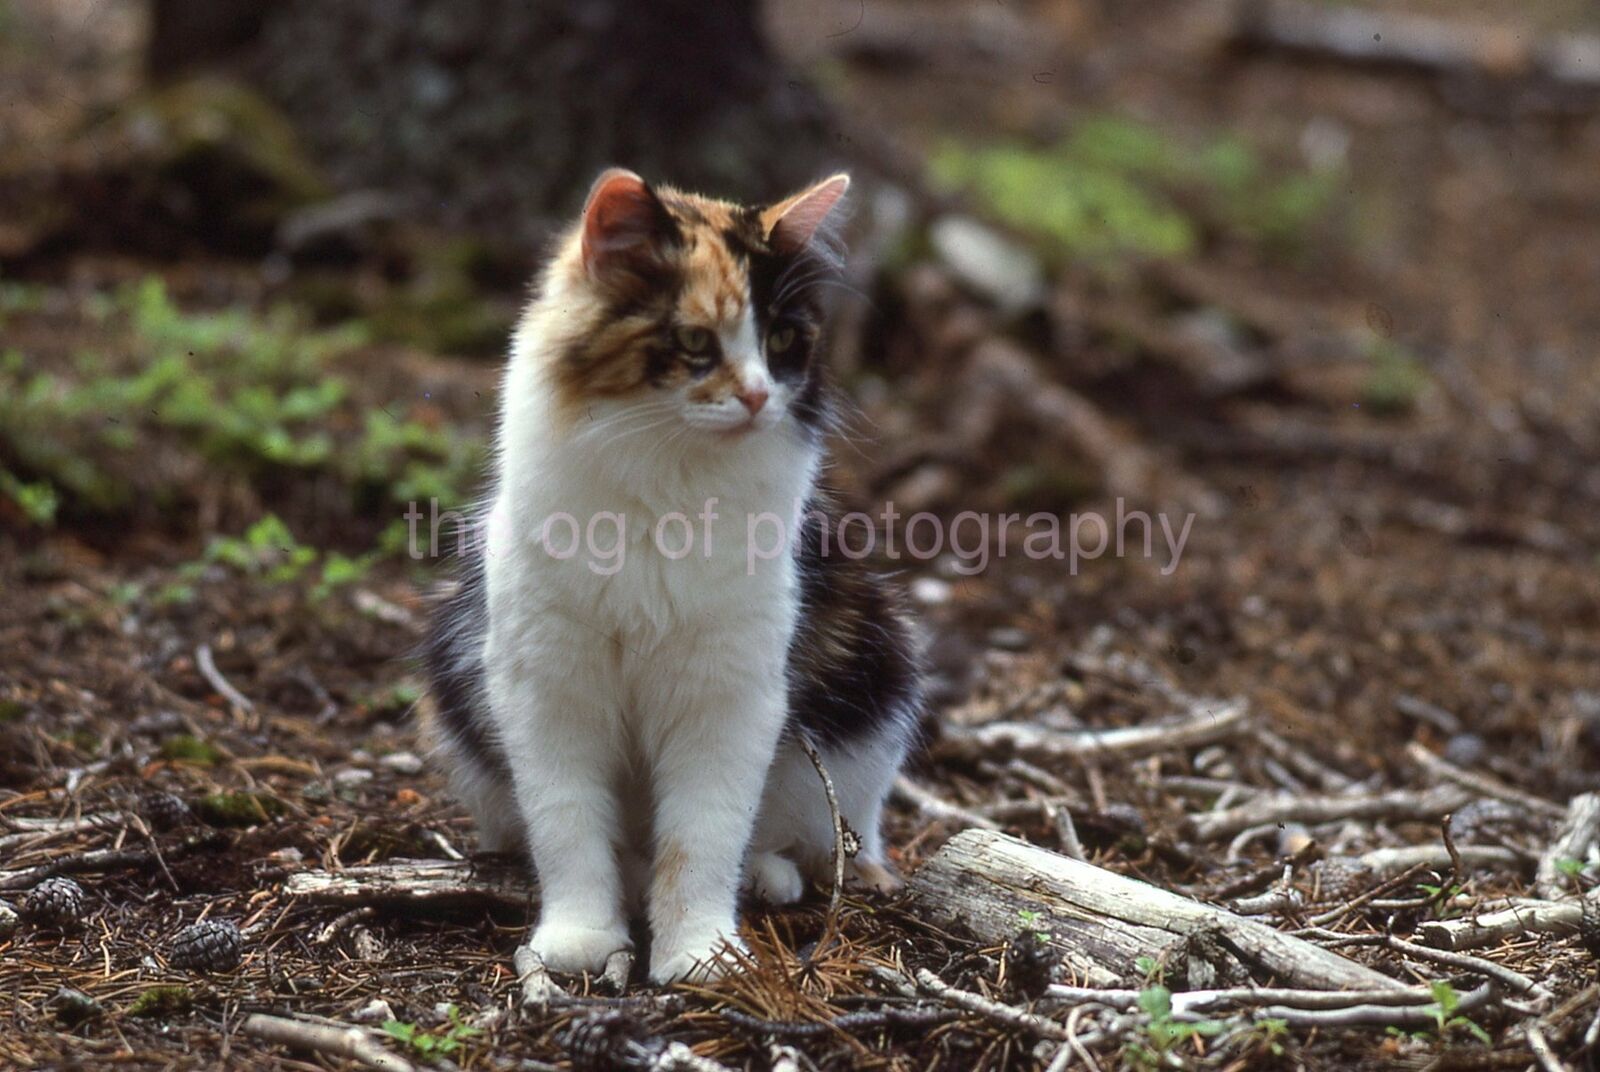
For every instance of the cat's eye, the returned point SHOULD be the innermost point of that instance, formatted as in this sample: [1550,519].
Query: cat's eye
[780,339]
[693,340]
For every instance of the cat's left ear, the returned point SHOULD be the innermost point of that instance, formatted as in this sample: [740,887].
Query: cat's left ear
[791,223]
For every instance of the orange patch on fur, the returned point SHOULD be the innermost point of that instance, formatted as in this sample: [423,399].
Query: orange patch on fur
[613,344]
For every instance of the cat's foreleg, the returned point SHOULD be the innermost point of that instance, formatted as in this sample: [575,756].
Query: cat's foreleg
[710,764]
[559,733]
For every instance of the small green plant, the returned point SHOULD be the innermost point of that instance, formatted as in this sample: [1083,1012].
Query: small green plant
[1030,921]
[443,1041]
[269,552]
[1269,1034]
[1571,866]
[37,499]
[1447,1017]
[237,394]
[1163,1032]
[1441,899]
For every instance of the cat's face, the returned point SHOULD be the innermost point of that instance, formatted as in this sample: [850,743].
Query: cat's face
[704,316]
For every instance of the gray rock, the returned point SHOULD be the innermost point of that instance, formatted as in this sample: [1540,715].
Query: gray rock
[987,262]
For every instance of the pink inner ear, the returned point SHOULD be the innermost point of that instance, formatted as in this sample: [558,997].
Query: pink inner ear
[620,215]
[801,219]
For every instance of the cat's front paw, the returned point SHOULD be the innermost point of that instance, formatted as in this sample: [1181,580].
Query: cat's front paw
[702,960]
[568,947]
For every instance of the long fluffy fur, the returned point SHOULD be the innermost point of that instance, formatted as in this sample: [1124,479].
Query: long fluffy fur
[634,728]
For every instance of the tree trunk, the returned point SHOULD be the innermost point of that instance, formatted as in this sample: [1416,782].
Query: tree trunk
[499,113]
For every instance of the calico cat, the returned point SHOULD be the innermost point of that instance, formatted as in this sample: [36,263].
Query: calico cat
[629,712]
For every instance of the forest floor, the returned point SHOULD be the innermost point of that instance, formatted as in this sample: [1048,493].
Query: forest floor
[1356,344]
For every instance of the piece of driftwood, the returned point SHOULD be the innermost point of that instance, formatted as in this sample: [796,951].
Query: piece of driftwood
[351,1043]
[417,882]
[1397,805]
[1375,38]
[1510,920]
[1576,838]
[1101,923]
[1121,742]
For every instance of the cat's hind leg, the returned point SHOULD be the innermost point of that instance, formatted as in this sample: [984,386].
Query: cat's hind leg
[796,820]
[774,878]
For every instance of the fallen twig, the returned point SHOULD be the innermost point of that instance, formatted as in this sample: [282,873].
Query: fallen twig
[429,882]
[539,991]
[1514,980]
[1197,1001]
[1509,921]
[991,1010]
[1542,1051]
[76,863]
[831,921]
[352,1043]
[1444,770]
[208,670]
[1388,861]
[1128,742]
[935,807]
[1399,804]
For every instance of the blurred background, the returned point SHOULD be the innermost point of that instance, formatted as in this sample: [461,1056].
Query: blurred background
[1324,274]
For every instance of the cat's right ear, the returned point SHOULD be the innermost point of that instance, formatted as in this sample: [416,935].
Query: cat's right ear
[623,225]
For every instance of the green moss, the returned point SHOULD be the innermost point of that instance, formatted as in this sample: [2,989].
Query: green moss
[162,1002]
[1056,487]
[1115,186]
[1396,381]
[11,711]
[238,809]
[191,749]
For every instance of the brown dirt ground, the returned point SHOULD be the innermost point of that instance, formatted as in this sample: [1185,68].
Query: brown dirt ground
[1447,556]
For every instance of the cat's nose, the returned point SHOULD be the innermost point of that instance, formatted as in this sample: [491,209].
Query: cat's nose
[753,398]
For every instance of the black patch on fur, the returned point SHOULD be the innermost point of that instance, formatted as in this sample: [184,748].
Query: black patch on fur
[454,661]
[770,276]
[852,663]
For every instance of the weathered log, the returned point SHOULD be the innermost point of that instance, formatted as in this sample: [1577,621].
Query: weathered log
[416,882]
[1101,923]
[1361,37]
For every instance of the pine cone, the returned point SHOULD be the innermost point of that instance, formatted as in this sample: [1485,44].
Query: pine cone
[608,1040]
[166,811]
[1031,963]
[55,902]
[1589,926]
[1487,822]
[212,945]
[1341,880]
